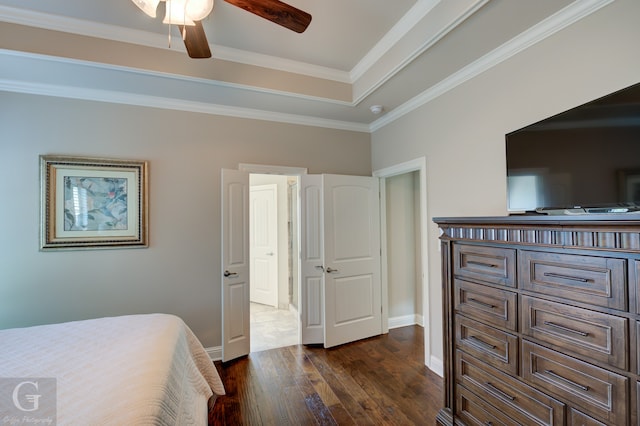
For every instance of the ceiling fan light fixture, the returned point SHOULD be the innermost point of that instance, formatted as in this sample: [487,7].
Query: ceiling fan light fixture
[185,12]
[176,13]
[147,6]
[197,10]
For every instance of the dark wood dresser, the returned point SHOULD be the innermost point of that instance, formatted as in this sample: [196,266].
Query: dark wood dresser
[541,320]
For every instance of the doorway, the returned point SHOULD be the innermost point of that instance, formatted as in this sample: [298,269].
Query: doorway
[409,181]
[403,250]
[274,319]
[235,241]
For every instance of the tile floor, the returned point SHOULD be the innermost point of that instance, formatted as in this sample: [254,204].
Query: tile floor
[272,328]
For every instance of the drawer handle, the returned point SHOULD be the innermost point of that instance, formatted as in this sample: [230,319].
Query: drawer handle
[477,302]
[567,329]
[481,343]
[570,382]
[475,262]
[566,277]
[498,392]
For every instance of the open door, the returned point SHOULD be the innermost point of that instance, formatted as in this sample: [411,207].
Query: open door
[352,302]
[311,261]
[340,283]
[236,339]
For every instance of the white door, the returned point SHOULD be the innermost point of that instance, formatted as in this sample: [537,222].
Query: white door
[311,301]
[340,283]
[352,302]
[263,248]
[235,264]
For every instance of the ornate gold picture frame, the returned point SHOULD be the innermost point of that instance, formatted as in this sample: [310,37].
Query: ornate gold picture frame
[93,203]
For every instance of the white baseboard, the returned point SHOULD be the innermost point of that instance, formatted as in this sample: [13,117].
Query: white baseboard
[215,353]
[436,365]
[406,320]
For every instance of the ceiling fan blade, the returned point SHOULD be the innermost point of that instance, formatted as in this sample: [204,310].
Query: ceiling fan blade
[276,11]
[195,40]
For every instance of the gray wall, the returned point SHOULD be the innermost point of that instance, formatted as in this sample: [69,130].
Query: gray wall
[461,133]
[180,272]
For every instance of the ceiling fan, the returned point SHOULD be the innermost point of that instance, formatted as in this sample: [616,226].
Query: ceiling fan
[188,14]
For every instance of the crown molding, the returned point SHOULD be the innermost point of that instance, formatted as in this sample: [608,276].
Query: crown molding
[572,13]
[279,64]
[160,41]
[145,38]
[399,30]
[111,96]
[560,20]
[421,49]
[155,40]
[170,76]
[65,24]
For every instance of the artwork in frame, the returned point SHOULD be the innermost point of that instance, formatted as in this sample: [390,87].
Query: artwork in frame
[93,203]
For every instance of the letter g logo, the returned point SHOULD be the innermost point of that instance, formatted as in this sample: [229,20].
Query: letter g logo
[33,399]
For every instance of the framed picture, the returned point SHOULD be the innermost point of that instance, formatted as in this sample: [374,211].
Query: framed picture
[92,203]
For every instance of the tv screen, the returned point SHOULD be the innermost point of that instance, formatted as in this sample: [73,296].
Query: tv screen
[586,159]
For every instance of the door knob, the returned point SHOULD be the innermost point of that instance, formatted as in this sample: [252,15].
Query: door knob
[330,270]
[230,274]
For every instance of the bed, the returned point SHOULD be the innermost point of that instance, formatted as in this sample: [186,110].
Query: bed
[134,370]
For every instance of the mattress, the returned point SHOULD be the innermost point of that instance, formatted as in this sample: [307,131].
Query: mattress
[127,370]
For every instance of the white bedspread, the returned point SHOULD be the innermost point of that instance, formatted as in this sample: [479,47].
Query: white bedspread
[129,370]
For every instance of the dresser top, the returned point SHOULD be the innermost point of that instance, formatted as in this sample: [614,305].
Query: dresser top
[614,232]
[630,219]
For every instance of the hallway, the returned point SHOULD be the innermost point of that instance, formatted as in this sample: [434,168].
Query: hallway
[272,328]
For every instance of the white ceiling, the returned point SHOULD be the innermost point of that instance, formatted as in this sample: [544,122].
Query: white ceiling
[355,54]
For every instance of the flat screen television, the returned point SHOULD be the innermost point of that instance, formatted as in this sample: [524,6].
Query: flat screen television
[585,160]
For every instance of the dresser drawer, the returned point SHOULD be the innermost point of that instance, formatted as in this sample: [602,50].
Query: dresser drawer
[594,280]
[474,411]
[490,345]
[491,305]
[586,333]
[594,390]
[576,418]
[516,399]
[490,264]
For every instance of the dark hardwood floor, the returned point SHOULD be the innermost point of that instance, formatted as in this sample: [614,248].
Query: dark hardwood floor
[377,381]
